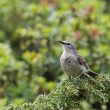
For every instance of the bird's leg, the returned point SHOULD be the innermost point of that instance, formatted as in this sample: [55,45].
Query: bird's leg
[70,78]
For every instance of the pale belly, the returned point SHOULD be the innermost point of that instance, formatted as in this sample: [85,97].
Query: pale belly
[71,70]
[70,66]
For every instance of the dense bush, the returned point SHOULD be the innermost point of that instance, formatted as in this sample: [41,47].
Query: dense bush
[29,31]
[71,95]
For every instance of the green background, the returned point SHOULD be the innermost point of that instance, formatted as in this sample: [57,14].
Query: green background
[29,48]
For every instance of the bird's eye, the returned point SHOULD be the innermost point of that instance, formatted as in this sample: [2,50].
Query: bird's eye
[68,44]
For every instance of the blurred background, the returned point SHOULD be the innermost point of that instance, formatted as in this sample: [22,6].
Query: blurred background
[29,48]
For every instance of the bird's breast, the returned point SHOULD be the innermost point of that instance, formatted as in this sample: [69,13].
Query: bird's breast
[68,60]
[69,64]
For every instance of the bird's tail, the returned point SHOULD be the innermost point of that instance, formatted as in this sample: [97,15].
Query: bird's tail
[92,73]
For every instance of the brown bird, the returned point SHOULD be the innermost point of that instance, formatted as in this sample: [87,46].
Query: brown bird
[72,63]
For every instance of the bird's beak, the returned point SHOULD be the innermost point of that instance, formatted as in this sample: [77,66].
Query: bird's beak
[62,42]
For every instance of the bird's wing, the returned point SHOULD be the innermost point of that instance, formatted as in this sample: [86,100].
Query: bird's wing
[82,61]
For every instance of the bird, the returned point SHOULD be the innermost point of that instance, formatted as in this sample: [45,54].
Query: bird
[72,63]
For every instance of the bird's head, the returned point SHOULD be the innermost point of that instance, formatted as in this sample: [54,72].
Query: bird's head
[68,46]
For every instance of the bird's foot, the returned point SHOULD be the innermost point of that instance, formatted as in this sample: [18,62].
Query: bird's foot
[70,78]
[74,80]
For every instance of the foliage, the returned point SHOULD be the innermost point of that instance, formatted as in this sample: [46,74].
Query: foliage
[29,31]
[70,95]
